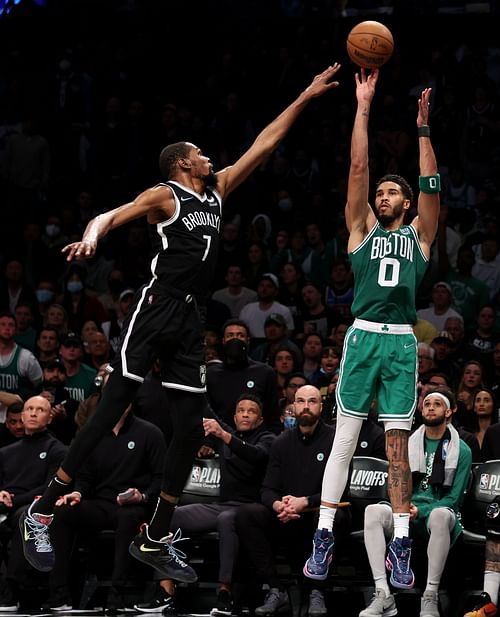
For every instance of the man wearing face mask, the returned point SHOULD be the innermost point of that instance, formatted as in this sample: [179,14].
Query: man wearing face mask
[238,373]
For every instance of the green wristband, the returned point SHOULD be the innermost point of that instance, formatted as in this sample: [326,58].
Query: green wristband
[429,184]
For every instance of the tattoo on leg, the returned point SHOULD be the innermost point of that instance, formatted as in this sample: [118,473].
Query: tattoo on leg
[399,482]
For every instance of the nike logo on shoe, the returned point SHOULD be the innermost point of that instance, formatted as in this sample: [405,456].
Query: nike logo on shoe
[146,549]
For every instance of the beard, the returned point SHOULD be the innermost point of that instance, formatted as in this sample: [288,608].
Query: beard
[433,421]
[306,418]
[210,180]
[387,219]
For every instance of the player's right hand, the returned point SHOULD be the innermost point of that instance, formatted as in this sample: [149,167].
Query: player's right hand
[79,250]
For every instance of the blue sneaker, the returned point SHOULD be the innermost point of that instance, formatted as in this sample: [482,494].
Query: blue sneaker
[398,563]
[316,567]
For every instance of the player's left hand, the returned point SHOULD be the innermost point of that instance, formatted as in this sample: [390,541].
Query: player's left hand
[80,250]
[321,83]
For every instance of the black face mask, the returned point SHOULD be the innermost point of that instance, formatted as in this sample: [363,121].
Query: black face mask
[235,352]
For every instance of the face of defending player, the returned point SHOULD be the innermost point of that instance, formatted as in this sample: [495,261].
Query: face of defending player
[390,204]
[200,166]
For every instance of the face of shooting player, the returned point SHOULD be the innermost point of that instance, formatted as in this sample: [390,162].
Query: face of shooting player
[36,414]
[248,415]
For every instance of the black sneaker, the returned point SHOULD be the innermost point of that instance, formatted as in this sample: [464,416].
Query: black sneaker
[37,548]
[8,602]
[59,600]
[224,605]
[115,602]
[162,602]
[163,556]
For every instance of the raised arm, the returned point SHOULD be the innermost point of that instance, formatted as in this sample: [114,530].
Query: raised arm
[156,198]
[426,222]
[269,139]
[359,215]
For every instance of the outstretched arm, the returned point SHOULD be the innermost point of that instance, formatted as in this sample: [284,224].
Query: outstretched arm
[269,139]
[428,203]
[156,198]
[358,212]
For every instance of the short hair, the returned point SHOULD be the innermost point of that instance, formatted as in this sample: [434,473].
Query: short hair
[405,187]
[236,322]
[170,155]
[331,349]
[7,314]
[295,375]
[249,396]
[16,407]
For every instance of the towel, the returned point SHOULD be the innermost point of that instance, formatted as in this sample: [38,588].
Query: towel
[448,452]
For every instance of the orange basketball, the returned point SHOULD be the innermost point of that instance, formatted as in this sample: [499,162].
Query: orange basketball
[370,44]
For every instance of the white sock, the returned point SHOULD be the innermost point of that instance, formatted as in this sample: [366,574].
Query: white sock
[401,524]
[492,584]
[326,517]
[381,583]
[434,587]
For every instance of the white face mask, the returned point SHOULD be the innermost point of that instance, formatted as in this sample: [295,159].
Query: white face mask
[52,230]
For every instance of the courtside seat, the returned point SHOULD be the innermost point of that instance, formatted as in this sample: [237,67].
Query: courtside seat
[368,485]
[485,485]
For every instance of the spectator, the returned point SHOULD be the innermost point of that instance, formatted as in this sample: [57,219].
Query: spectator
[235,296]
[20,371]
[290,493]
[284,363]
[441,309]
[57,318]
[25,320]
[290,293]
[255,313]
[441,480]
[79,305]
[116,488]
[339,292]
[64,407]
[455,327]
[88,329]
[79,377]
[238,373]
[125,301]
[485,409]
[312,347]
[243,453]
[293,381]
[26,467]
[255,264]
[13,428]
[443,348]
[425,355]
[487,266]
[316,317]
[300,253]
[481,341]
[45,292]
[329,365]
[99,350]
[337,336]
[276,335]
[47,345]
[471,381]
[469,293]
[14,289]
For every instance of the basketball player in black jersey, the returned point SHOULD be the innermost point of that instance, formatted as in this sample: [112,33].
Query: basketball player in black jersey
[184,214]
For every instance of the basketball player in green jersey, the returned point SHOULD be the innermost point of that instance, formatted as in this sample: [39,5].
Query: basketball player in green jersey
[379,360]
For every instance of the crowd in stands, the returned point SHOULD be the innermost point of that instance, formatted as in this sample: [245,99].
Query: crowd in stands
[82,121]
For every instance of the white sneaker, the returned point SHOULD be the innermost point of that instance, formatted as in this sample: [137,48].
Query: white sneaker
[429,604]
[380,606]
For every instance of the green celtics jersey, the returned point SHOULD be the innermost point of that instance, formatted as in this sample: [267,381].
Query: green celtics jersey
[388,267]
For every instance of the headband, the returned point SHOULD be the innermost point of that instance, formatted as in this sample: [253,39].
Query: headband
[442,396]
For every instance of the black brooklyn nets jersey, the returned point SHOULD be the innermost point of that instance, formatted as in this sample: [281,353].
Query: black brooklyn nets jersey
[185,246]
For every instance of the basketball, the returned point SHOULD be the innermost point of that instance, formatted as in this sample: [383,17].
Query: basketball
[370,44]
